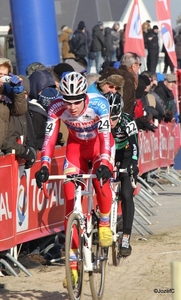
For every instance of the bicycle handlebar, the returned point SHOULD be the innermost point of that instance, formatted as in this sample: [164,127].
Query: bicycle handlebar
[81,176]
[131,177]
[63,177]
[72,176]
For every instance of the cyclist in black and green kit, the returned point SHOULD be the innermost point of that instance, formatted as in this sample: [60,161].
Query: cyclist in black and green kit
[125,134]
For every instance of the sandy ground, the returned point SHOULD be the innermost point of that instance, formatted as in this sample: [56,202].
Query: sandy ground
[145,275]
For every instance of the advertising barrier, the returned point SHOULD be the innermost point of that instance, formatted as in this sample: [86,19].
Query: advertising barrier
[25,213]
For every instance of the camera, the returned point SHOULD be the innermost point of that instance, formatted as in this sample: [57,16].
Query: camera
[6,79]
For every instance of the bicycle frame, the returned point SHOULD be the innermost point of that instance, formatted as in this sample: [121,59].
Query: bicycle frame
[79,193]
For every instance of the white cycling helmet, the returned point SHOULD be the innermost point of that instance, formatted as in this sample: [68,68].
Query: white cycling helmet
[73,87]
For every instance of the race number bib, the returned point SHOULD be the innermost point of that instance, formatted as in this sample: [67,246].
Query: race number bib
[103,125]
[49,128]
[131,128]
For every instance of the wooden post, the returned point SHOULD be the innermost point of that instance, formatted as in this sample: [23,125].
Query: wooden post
[176,279]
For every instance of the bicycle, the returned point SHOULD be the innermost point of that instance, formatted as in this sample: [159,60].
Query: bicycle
[116,211]
[90,257]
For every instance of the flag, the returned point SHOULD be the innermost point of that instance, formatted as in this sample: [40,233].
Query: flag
[163,16]
[133,33]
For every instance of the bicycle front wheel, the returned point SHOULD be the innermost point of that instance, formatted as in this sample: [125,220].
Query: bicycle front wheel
[74,257]
[97,276]
[116,257]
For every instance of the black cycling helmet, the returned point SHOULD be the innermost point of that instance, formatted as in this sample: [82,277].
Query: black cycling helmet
[115,102]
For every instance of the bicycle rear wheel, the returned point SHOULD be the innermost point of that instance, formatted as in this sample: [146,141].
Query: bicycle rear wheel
[97,276]
[75,290]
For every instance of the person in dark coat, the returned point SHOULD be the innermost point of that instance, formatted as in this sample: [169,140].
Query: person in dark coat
[98,44]
[20,136]
[39,80]
[165,91]
[12,97]
[167,60]
[81,49]
[108,38]
[178,48]
[153,49]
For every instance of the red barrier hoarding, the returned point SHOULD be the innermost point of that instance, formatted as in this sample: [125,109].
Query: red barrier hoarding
[37,216]
[8,190]
[25,213]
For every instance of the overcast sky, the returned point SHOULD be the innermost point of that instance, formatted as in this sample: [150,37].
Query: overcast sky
[175,6]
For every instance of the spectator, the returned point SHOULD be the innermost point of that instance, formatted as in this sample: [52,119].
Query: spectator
[80,41]
[115,33]
[35,66]
[121,42]
[10,39]
[98,45]
[39,81]
[178,48]
[153,49]
[165,91]
[145,28]
[108,38]
[63,39]
[88,36]
[167,60]
[142,117]
[12,97]
[129,68]
[58,70]
[152,108]
[20,135]
[153,85]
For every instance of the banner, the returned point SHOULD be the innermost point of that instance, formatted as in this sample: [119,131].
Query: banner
[164,20]
[133,34]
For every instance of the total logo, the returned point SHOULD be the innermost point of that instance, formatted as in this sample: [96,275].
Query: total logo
[167,35]
[22,202]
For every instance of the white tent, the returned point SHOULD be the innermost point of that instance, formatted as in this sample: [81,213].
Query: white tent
[144,14]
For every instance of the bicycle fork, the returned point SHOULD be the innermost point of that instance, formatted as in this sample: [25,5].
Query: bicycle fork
[87,248]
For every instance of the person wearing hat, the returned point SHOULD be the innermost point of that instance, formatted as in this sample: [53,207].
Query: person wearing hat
[12,97]
[35,66]
[98,45]
[20,136]
[165,91]
[80,41]
[58,70]
[153,49]
[39,81]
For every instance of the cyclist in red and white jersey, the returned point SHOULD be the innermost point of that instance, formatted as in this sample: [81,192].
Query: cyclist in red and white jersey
[87,119]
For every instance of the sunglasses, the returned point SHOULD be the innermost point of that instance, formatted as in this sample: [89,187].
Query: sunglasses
[111,86]
[72,102]
[114,118]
